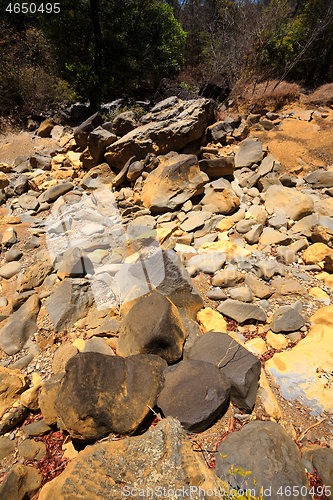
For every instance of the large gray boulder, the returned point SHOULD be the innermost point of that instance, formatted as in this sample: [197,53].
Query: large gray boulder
[273,460]
[195,392]
[240,366]
[170,126]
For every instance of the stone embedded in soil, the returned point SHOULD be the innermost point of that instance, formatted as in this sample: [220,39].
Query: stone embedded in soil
[207,263]
[242,293]
[28,202]
[286,319]
[152,326]
[258,288]
[194,392]
[241,312]
[9,237]
[20,326]
[227,277]
[35,275]
[264,449]
[240,366]
[114,395]
[13,254]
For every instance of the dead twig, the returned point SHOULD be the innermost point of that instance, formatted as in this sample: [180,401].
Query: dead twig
[310,427]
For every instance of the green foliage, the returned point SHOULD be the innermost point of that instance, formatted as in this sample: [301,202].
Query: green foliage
[27,78]
[238,496]
[127,45]
[188,86]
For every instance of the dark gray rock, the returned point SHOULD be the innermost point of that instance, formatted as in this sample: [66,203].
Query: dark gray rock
[152,326]
[240,366]
[20,326]
[53,193]
[69,302]
[97,142]
[241,312]
[124,123]
[21,483]
[266,269]
[286,319]
[33,242]
[264,449]
[82,131]
[14,418]
[39,428]
[195,392]
[113,396]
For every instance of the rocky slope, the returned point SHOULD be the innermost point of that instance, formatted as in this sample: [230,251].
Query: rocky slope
[166,322]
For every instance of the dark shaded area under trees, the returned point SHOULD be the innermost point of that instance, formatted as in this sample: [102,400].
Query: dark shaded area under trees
[100,49]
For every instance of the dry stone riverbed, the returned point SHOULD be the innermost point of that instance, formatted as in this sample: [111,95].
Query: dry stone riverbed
[166,306]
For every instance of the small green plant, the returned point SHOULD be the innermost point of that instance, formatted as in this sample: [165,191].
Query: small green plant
[239,494]
[191,88]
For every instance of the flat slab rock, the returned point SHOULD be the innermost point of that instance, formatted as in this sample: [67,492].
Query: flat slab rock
[241,312]
[265,449]
[169,126]
[240,366]
[160,458]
